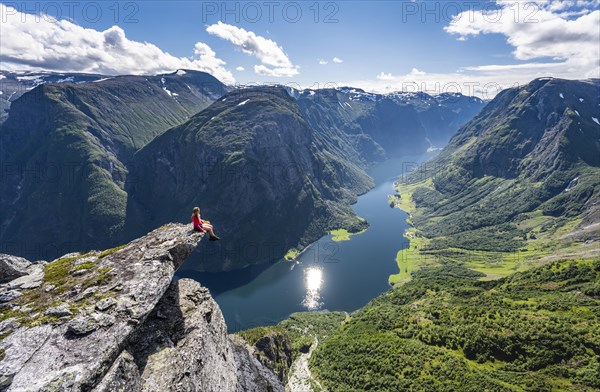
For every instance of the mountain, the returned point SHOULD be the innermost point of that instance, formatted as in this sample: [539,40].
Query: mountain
[65,150]
[116,320]
[387,125]
[15,84]
[262,157]
[522,178]
[257,170]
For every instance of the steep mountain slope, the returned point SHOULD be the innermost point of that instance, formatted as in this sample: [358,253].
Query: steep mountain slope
[15,84]
[523,178]
[256,169]
[65,150]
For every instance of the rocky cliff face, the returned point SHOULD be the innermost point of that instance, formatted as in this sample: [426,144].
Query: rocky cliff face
[116,320]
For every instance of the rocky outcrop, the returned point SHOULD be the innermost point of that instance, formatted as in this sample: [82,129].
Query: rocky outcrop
[252,375]
[12,267]
[187,322]
[274,350]
[117,321]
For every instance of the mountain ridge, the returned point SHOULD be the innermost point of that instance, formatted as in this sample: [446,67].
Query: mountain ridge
[521,179]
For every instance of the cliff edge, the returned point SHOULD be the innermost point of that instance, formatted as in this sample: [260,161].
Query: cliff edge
[117,321]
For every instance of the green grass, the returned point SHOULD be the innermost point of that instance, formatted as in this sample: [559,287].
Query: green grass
[291,255]
[59,274]
[84,266]
[108,252]
[529,240]
[343,234]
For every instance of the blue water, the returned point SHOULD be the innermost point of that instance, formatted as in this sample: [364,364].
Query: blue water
[329,275]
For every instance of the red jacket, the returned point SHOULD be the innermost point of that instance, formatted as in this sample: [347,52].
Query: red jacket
[197,223]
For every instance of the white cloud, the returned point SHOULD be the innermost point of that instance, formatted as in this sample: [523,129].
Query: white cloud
[416,72]
[337,60]
[240,68]
[385,76]
[276,72]
[267,51]
[550,38]
[540,31]
[43,43]
[323,62]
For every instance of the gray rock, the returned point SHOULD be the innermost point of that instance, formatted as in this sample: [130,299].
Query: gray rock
[20,346]
[32,280]
[61,362]
[152,334]
[105,304]
[59,311]
[192,338]
[10,295]
[12,267]
[123,376]
[86,294]
[8,325]
[84,324]
[252,376]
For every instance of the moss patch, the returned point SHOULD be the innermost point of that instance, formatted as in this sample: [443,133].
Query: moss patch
[111,251]
[60,285]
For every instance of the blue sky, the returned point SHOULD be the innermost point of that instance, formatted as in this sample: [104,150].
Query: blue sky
[382,44]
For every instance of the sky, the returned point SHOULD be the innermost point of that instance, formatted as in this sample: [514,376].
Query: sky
[472,47]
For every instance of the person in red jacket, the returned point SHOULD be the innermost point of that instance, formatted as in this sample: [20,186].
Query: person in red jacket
[201,226]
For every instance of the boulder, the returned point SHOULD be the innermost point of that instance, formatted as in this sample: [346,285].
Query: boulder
[12,267]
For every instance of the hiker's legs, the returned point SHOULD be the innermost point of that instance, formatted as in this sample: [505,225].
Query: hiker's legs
[209,229]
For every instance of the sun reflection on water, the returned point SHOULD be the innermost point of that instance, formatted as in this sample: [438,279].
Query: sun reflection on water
[313,280]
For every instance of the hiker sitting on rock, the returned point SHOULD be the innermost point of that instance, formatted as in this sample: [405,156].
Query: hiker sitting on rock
[201,226]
